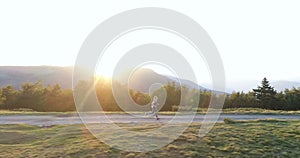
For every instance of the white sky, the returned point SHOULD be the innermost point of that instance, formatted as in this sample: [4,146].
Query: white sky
[255,38]
[139,37]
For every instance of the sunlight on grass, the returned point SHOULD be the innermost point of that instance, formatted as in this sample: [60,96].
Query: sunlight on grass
[259,138]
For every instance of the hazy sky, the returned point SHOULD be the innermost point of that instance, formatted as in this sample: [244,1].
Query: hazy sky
[255,38]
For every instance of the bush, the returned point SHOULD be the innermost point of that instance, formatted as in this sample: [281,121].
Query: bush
[229,121]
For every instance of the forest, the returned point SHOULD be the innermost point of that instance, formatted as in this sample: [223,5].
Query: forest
[48,98]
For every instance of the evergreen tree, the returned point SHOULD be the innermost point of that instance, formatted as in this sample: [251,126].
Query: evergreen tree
[265,94]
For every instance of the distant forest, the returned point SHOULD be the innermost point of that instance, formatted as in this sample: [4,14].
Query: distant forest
[37,97]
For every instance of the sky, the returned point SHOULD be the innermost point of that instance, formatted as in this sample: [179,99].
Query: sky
[255,38]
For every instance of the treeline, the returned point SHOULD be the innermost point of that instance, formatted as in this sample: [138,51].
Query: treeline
[37,97]
[266,97]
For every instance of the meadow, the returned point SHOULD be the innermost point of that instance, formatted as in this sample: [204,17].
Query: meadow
[259,138]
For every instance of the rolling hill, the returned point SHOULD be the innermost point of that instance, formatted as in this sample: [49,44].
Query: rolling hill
[141,80]
[17,75]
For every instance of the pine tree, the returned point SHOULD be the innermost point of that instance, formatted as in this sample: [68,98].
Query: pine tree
[265,94]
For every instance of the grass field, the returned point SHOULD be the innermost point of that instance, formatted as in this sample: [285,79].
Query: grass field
[260,138]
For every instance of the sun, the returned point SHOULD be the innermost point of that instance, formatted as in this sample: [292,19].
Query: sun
[103,75]
[106,72]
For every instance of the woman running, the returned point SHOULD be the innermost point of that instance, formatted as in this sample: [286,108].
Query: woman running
[154,105]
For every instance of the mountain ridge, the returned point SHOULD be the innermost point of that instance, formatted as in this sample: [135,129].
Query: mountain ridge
[18,75]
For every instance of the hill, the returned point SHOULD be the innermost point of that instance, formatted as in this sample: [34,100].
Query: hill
[17,75]
[141,80]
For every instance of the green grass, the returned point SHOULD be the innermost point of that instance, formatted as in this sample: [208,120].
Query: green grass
[258,111]
[259,138]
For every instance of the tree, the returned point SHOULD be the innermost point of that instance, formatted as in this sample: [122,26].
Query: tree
[141,98]
[84,96]
[2,99]
[205,97]
[292,98]
[281,103]
[56,99]
[53,91]
[240,100]
[265,94]
[10,95]
[31,96]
